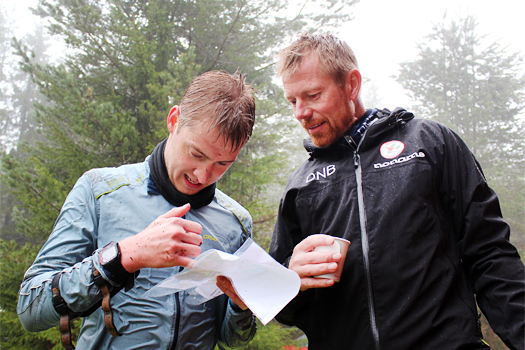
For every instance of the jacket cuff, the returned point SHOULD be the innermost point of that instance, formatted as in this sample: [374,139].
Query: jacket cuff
[239,330]
[235,307]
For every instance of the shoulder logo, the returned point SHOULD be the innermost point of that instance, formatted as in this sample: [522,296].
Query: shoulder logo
[391,149]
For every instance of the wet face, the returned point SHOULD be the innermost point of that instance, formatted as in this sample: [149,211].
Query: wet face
[195,156]
[324,108]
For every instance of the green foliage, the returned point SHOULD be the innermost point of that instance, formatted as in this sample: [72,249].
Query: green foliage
[128,62]
[105,104]
[17,94]
[273,336]
[14,260]
[475,90]
[5,33]
[41,190]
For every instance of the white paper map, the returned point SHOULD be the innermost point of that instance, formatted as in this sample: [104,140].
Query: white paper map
[264,285]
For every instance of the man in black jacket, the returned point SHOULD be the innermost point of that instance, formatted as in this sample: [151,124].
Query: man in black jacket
[427,236]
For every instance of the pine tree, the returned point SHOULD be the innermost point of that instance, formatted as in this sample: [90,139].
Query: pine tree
[127,62]
[476,90]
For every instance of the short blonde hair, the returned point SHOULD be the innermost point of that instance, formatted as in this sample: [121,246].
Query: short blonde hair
[225,101]
[335,56]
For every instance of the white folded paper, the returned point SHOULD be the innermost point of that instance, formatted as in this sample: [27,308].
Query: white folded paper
[264,285]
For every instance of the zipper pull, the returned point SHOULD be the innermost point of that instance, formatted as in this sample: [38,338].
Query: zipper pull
[351,142]
[356,159]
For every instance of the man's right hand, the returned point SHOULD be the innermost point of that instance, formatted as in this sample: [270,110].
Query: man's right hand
[168,241]
[307,263]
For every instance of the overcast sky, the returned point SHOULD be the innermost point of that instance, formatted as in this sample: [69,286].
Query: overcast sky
[396,26]
[385,33]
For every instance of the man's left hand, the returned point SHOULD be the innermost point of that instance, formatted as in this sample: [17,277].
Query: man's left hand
[226,286]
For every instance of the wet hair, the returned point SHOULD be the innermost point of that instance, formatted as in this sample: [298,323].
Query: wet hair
[335,56]
[224,101]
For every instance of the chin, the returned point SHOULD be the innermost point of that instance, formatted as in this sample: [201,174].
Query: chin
[322,142]
[326,139]
[184,189]
[191,192]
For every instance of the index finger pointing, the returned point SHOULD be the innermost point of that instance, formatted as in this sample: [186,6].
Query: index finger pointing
[178,211]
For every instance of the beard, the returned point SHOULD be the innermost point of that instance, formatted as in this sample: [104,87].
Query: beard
[334,133]
[325,139]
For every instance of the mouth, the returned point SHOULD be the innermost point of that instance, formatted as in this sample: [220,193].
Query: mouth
[191,183]
[314,128]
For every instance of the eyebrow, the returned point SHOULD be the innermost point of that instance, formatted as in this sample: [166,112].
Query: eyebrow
[196,149]
[205,155]
[307,91]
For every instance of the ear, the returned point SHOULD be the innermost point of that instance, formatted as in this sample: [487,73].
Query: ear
[353,84]
[172,119]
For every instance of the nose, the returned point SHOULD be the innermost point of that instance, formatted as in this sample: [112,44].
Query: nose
[301,110]
[203,173]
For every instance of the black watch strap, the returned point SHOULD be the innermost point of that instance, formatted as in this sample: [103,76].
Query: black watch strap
[117,272]
[58,302]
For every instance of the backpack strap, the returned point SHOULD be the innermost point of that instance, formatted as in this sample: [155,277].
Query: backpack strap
[63,310]
[106,306]
[66,315]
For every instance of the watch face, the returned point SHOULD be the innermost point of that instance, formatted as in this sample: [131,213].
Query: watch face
[108,253]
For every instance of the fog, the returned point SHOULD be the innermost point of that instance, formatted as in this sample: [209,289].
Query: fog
[385,33]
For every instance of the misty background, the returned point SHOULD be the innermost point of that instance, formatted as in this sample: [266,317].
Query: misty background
[89,83]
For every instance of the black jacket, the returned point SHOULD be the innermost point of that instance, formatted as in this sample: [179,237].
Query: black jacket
[426,235]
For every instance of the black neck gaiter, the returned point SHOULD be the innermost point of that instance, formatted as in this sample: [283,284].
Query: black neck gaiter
[159,176]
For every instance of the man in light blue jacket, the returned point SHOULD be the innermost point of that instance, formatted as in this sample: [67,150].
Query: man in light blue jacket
[123,230]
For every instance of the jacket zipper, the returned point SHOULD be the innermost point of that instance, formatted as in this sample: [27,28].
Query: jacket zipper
[364,242]
[177,322]
[177,319]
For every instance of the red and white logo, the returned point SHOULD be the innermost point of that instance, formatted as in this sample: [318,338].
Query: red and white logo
[391,149]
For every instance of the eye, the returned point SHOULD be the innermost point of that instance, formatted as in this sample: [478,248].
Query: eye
[313,96]
[196,155]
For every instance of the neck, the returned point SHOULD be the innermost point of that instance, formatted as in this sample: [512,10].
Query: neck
[359,108]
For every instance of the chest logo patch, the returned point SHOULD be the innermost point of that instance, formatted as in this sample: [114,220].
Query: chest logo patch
[327,171]
[391,149]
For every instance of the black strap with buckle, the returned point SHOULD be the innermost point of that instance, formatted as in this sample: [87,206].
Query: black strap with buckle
[66,315]
[106,299]
[64,312]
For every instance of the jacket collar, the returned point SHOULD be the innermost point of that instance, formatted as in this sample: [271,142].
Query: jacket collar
[399,116]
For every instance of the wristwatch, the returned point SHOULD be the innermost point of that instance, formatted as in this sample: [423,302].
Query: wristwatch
[109,258]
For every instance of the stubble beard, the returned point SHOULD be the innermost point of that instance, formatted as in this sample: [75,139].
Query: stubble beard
[332,135]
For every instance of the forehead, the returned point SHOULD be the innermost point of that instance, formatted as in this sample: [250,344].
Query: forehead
[206,140]
[308,76]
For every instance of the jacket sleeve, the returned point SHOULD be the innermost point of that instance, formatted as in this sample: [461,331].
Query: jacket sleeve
[492,263]
[69,250]
[286,235]
[238,329]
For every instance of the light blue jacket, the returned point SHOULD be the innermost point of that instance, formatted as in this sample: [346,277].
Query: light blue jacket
[111,204]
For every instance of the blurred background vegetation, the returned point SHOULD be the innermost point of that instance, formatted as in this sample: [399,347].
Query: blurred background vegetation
[102,100]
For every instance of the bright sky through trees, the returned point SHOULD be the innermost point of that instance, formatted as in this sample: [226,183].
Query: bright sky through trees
[385,33]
